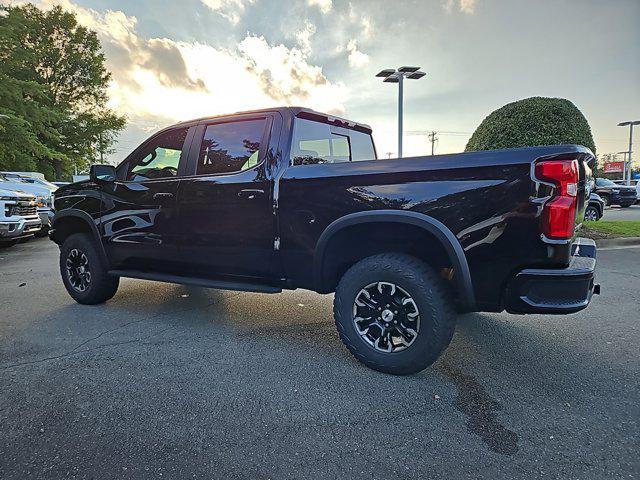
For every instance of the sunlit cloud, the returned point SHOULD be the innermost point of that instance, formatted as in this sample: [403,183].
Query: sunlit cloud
[161,80]
[303,37]
[357,59]
[232,10]
[324,5]
[464,6]
[357,17]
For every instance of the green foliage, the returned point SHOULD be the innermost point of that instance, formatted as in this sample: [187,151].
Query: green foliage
[619,228]
[531,122]
[53,93]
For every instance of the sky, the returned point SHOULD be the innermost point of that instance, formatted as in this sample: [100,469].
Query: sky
[182,59]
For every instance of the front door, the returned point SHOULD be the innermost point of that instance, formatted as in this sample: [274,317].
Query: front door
[139,221]
[226,214]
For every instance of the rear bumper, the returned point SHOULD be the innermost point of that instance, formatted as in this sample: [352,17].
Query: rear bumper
[556,291]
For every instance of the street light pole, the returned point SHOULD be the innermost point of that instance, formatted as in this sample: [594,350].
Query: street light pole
[400,113]
[391,75]
[631,123]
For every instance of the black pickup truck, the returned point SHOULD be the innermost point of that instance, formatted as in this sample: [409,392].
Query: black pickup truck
[289,198]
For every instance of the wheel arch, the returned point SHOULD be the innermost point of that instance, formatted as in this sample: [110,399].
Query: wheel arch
[70,221]
[445,238]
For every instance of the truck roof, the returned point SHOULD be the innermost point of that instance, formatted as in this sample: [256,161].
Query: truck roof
[295,112]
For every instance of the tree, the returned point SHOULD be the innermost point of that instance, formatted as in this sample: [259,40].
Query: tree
[531,122]
[53,92]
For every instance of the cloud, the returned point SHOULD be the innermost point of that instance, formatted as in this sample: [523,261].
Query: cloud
[324,5]
[232,10]
[285,75]
[127,53]
[468,6]
[357,59]
[303,37]
[464,6]
[158,80]
[365,23]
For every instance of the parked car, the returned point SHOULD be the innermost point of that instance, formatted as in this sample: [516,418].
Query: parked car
[18,217]
[614,194]
[595,208]
[42,189]
[291,198]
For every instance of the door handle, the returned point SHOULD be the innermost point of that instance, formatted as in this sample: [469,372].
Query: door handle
[250,193]
[161,195]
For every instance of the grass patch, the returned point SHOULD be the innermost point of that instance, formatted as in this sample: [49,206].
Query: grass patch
[611,229]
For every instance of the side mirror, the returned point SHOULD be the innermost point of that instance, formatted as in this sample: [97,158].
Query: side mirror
[102,173]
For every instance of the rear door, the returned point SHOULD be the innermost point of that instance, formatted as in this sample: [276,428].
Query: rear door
[139,214]
[227,221]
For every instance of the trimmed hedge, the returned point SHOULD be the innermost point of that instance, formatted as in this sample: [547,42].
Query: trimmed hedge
[531,122]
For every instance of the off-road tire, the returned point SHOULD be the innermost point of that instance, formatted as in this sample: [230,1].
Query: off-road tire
[102,286]
[428,290]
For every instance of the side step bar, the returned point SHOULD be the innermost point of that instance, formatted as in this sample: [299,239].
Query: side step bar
[200,282]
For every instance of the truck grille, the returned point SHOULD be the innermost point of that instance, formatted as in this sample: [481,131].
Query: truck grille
[23,210]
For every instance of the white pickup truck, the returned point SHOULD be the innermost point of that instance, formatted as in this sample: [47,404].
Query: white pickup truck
[18,217]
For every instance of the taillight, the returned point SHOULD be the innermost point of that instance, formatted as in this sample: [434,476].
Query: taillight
[559,213]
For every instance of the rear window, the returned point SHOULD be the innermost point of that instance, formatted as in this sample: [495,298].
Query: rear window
[316,143]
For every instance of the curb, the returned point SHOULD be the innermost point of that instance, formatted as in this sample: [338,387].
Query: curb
[618,242]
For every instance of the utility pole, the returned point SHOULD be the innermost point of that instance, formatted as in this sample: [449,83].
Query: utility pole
[432,138]
[631,123]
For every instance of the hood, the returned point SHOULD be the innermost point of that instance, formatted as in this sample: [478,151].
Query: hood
[17,194]
[34,189]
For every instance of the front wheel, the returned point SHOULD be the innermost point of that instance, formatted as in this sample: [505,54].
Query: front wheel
[83,271]
[394,313]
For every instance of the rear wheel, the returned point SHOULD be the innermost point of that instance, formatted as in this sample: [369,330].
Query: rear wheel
[591,214]
[83,271]
[394,313]
[606,200]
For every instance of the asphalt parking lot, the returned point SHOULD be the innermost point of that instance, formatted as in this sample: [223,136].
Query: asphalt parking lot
[619,213]
[166,381]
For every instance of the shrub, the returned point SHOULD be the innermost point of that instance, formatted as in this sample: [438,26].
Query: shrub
[531,122]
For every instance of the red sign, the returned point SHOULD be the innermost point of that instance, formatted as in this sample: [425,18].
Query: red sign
[614,167]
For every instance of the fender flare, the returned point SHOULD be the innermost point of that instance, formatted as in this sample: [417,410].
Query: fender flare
[85,217]
[440,231]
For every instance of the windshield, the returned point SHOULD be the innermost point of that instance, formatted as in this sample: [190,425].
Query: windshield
[605,182]
[38,181]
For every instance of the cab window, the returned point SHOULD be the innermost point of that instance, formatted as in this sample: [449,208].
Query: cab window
[231,147]
[317,143]
[160,157]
